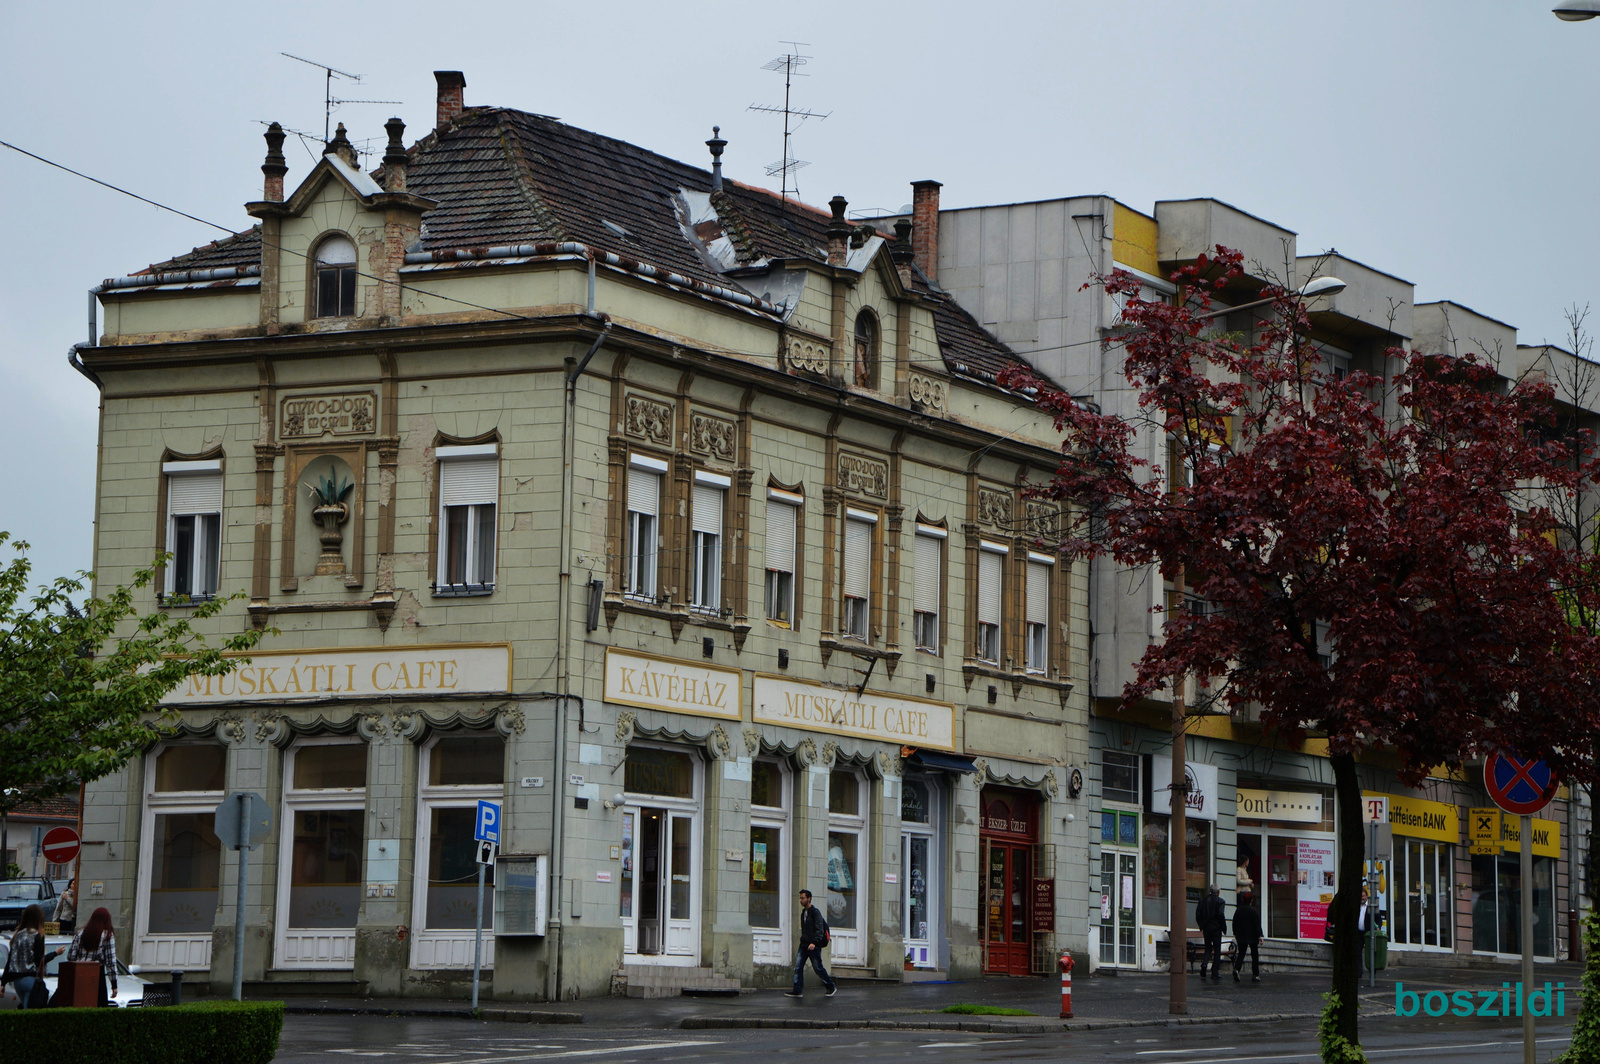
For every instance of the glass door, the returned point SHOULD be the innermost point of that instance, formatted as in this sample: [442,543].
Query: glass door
[629,900]
[914,909]
[1006,885]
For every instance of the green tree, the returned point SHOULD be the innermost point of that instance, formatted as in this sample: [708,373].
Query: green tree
[81,684]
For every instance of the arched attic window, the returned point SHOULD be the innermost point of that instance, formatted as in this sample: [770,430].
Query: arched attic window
[335,278]
[867,349]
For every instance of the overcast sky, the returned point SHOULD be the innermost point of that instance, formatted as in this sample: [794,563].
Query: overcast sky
[1451,143]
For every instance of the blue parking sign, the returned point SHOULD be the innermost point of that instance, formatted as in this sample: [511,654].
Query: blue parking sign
[488,829]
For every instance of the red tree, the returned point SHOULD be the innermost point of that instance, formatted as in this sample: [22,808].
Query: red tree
[1384,581]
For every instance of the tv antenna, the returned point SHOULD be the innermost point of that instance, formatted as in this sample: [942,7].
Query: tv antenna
[329,100]
[790,63]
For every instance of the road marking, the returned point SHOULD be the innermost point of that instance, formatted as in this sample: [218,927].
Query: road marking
[1313,1055]
[1154,1052]
[633,1048]
[969,1045]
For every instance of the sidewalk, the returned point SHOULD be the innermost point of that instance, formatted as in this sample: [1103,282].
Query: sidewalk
[1099,1001]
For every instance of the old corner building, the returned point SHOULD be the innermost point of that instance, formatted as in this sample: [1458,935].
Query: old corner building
[685,522]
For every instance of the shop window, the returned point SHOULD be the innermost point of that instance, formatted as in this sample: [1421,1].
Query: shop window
[181,856]
[191,767]
[466,761]
[325,807]
[705,585]
[844,793]
[927,586]
[991,584]
[666,773]
[194,527]
[1119,777]
[769,900]
[766,785]
[644,506]
[469,495]
[783,519]
[1196,865]
[846,847]
[330,767]
[866,360]
[335,278]
[1038,612]
[857,587]
[458,771]
[914,808]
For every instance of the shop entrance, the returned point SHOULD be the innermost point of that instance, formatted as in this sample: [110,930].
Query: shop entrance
[658,885]
[1119,878]
[1423,908]
[1009,855]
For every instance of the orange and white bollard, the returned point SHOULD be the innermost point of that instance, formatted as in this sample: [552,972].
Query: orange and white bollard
[1066,985]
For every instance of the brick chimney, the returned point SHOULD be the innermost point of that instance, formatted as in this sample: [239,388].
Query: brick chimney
[452,97]
[394,157]
[925,227]
[838,232]
[276,165]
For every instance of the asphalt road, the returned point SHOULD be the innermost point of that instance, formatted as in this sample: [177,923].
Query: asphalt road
[448,1041]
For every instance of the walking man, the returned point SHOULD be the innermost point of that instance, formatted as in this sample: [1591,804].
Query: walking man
[813,940]
[1247,934]
[1212,916]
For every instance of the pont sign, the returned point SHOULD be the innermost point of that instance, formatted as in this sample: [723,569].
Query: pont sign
[60,846]
[1517,786]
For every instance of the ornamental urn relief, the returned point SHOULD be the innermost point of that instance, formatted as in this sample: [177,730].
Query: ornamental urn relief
[329,510]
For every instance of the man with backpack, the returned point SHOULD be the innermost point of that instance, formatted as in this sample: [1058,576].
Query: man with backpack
[813,940]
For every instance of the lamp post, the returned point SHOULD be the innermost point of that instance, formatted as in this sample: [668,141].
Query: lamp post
[1577,10]
[1178,826]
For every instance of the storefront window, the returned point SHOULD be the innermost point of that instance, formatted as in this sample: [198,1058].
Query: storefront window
[1422,908]
[190,767]
[844,793]
[1196,865]
[325,870]
[460,769]
[180,864]
[452,903]
[467,761]
[184,874]
[1119,777]
[766,903]
[842,879]
[668,773]
[766,785]
[769,822]
[1497,904]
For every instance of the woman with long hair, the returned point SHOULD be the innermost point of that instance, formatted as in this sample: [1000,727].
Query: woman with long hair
[97,942]
[26,960]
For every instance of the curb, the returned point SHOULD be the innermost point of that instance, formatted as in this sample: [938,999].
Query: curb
[500,1015]
[713,1023]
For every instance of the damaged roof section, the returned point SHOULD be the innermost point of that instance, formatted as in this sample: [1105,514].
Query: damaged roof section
[503,177]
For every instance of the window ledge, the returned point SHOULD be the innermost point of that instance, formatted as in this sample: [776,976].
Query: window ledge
[1018,678]
[849,645]
[462,590]
[168,602]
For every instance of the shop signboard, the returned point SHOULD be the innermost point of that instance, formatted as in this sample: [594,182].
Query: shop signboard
[1291,807]
[648,681]
[1314,884]
[1546,836]
[844,711]
[1483,830]
[1419,818]
[300,675]
[1203,780]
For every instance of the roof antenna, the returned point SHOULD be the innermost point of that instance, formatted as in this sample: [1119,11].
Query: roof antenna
[329,100]
[790,63]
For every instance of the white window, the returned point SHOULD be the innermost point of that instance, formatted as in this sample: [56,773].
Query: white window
[457,769]
[783,520]
[991,584]
[469,491]
[336,278]
[644,509]
[320,854]
[1038,611]
[857,606]
[710,493]
[927,582]
[180,860]
[769,896]
[194,527]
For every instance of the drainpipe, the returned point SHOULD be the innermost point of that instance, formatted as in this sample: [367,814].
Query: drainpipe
[563,651]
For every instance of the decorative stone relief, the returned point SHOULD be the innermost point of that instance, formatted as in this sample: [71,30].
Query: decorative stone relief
[807,751]
[371,726]
[980,768]
[830,752]
[1041,520]
[343,414]
[511,721]
[752,741]
[649,420]
[866,476]
[271,726]
[809,356]
[890,765]
[1052,786]
[405,724]
[625,722]
[721,748]
[712,436]
[230,728]
[994,509]
[928,392]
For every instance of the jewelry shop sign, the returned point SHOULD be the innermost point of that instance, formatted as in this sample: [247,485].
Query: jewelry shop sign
[651,682]
[278,675]
[892,719]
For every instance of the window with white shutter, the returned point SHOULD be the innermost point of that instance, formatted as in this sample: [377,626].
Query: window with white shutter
[644,509]
[194,527]
[1040,569]
[705,587]
[783,522]
[469,496]
[991,584]
[927,584]
[857,582]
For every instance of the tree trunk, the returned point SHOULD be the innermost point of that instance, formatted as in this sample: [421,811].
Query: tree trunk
[1346,906]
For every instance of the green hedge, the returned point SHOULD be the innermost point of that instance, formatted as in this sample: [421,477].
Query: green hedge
[206,1032]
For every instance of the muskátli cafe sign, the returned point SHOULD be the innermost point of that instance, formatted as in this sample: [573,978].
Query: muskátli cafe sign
[841,711]
[279,675]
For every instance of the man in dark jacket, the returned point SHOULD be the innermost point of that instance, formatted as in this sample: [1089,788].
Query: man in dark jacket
[1212,916]
[813,939]
[1247,933]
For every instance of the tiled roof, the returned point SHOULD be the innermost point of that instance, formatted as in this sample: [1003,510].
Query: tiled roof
[60,808]
[500,176]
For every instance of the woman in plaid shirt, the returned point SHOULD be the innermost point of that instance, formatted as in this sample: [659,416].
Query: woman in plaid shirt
[97,942]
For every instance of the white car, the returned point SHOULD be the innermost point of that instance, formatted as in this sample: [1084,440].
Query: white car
[130,987]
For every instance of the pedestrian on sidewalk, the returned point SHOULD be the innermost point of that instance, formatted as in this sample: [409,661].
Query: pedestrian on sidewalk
[813,940]
[1212,916]
[1247,936]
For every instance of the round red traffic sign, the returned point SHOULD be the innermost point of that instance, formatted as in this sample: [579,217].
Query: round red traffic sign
[1518,786]
[60,846]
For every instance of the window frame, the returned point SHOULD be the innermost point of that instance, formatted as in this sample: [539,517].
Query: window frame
[707,573]
[857,610]
[779,817]
[308,800]
[866,362]
[472,561]
[197,566]
[1036,633]
[641,570]
[347,274]
[773,584]
[432,796]
[155,803]
[989,635]
[940,539]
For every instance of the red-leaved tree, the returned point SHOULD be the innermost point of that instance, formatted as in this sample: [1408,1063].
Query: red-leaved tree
[1373,567]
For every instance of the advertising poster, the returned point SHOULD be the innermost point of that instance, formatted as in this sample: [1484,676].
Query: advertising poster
[1314,884]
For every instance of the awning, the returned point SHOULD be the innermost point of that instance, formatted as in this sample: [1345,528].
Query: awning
[933,759]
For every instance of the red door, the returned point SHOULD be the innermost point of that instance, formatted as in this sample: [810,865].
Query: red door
[1007,843]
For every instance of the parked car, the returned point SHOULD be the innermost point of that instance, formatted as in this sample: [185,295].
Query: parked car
[17,894]
[130,986]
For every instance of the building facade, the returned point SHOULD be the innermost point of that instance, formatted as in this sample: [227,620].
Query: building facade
[684,522]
